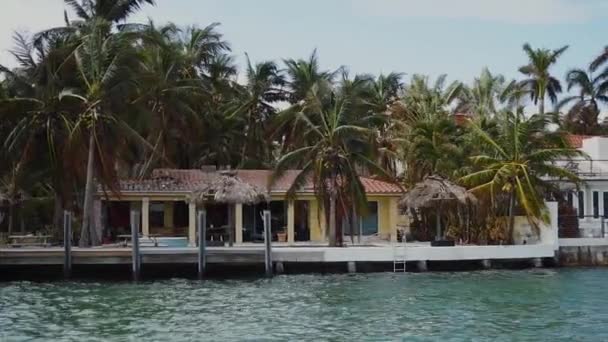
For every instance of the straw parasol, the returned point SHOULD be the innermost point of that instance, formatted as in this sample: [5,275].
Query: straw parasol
[435,192]
[227,187]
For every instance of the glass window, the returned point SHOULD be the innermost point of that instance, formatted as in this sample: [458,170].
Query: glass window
[369,223]
[157,214]
[581,204]
[596,204]
[605,195]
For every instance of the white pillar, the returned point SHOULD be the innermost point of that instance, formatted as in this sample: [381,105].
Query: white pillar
[191,224]
[291,222]
[145,216]
[238,223]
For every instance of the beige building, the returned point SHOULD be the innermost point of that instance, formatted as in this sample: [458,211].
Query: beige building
[166,210]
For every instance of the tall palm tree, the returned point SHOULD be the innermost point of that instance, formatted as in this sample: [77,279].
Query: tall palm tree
[328,157]
[257,97]
[540,82]
[516,163]
[582,116]
[101,57]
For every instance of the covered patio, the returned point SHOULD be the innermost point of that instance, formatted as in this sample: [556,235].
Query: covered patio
[167,211]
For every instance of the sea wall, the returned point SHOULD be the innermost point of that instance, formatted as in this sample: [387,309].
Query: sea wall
[583,252]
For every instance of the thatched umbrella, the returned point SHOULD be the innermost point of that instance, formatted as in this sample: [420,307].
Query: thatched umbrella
[227,187]
[435,192]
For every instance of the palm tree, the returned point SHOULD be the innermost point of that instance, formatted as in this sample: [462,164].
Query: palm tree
[600,60]
[483,97]
[540,82]
[328,157]
[517,162]
[422,100]
[262,90]
[582,117]
[101,58]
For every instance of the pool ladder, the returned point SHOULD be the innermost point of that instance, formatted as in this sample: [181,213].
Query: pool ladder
[399,255]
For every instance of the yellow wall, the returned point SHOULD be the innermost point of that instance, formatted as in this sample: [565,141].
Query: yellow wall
[168,217]
[316,221]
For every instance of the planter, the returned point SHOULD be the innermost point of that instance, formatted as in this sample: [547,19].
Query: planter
[443,243]
[282,237]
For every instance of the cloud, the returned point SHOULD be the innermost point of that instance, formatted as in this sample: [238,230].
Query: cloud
[506,11]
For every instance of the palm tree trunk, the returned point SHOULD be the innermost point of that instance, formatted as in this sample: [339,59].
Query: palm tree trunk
[88,235]
[541,106]
[332,219]
[511,217]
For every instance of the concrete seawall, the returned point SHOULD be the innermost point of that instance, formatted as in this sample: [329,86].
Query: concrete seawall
[583,252]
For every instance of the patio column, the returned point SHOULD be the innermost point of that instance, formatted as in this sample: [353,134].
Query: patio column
[238,223]
[393,212]
[291,221]
[192,224]
[145,216]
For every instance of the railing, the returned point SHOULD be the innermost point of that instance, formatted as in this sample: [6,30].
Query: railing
[585,167]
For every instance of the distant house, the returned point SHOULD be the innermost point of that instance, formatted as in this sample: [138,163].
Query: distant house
[163,200]
[590,201]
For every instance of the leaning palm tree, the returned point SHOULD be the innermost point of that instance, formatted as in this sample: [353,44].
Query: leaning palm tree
[582,116]
[328,158]
[540,82]
[517,162]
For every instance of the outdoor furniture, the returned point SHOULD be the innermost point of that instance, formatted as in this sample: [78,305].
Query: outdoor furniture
[29,241]
[126,239]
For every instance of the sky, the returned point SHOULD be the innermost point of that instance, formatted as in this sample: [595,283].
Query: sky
[429,37]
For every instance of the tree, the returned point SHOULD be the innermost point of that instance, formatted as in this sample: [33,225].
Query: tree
[483,97]
[517,163]
[101,57]
[540,82]
[582,116]
[329,160]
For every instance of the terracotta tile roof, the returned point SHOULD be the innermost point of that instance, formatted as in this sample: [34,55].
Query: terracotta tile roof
[576,140]
[179,180]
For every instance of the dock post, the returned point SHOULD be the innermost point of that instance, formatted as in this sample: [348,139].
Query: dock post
[351,267]
[267,243]
[280,267]
[422,266]
[67,244]
[202,242]
[135,244]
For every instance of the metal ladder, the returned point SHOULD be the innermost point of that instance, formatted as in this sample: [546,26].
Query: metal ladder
[399,255]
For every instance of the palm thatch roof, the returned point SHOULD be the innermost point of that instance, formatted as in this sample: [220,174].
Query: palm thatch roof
[227,187]
[434,191]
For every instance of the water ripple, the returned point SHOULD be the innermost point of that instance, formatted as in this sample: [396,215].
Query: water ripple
[551,305]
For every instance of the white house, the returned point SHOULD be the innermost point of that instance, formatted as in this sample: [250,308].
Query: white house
[590,201]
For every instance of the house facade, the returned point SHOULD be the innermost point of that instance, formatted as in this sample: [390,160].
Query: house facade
[587,205]
[166,210]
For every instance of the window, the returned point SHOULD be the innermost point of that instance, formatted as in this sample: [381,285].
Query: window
[157,214]
[369,223]
[605,195]
[596,204]
[581,204]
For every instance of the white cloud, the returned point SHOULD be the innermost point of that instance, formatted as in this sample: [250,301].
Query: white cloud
[506,11]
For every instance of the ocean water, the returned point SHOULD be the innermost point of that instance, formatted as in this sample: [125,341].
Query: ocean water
[529,305]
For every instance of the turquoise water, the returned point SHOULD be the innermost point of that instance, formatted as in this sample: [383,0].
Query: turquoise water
[545,305]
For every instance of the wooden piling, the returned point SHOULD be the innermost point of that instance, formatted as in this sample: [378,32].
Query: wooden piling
[267,243]
[202,242]
[67,244]
[136,260]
